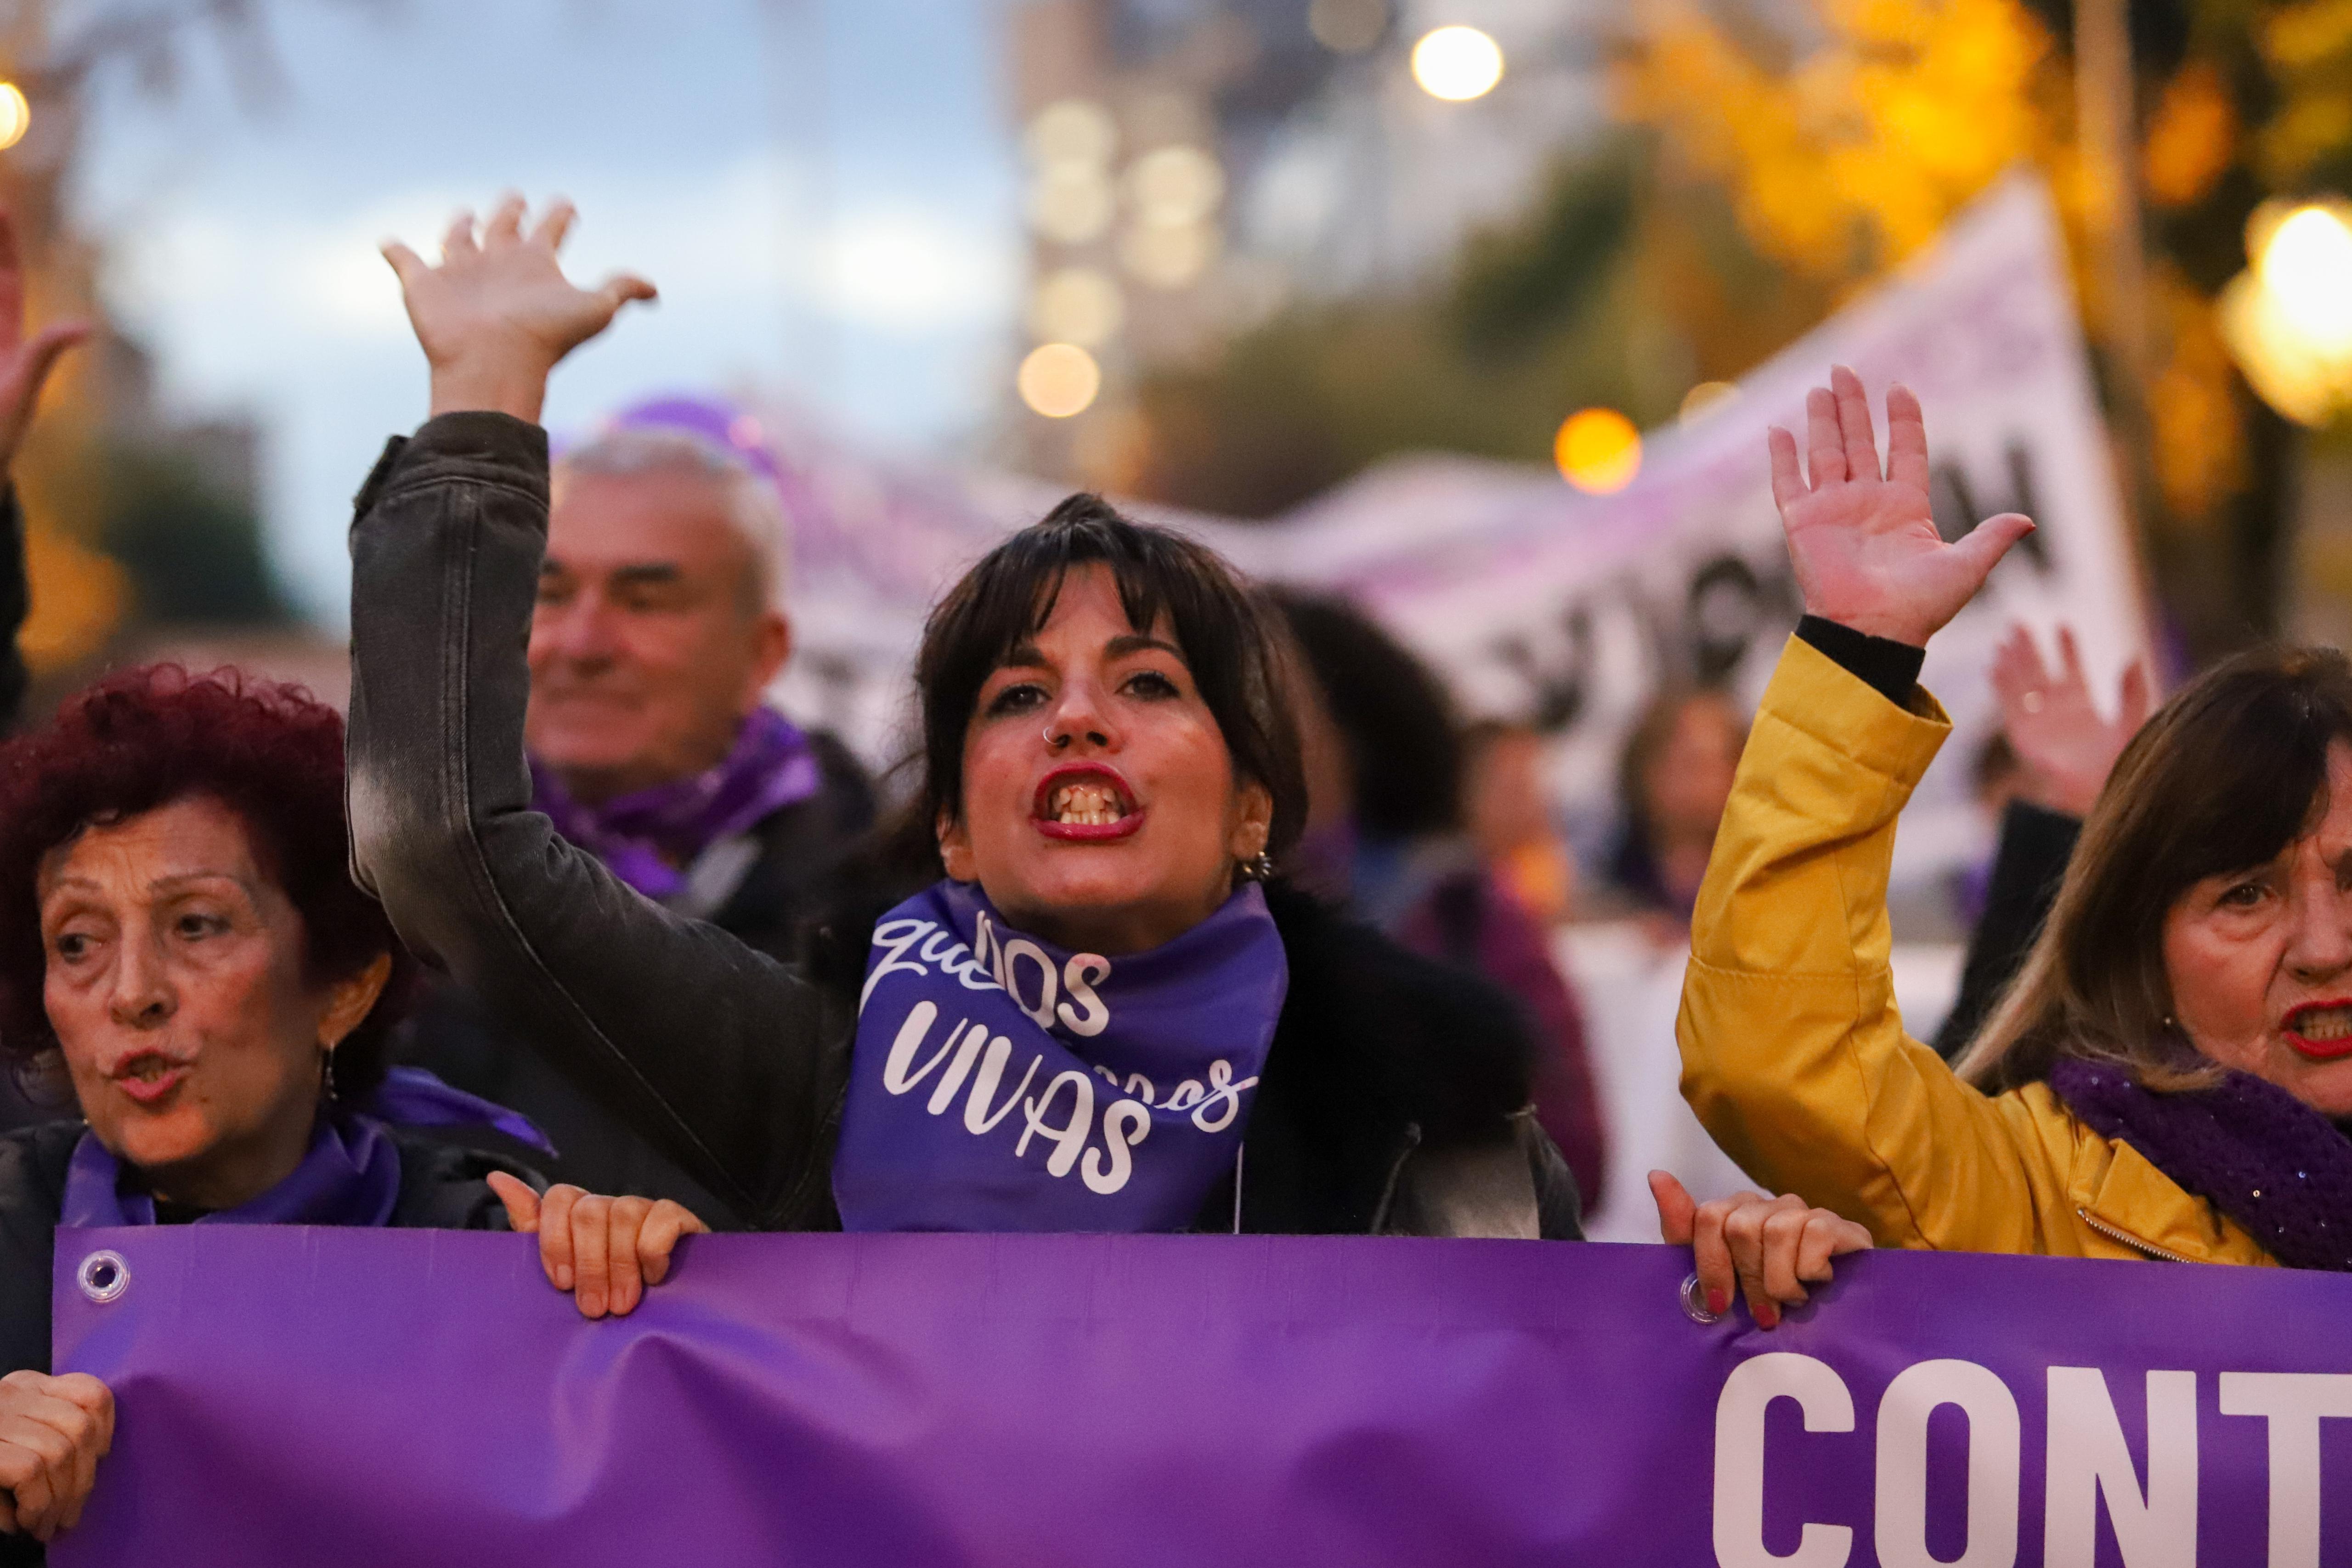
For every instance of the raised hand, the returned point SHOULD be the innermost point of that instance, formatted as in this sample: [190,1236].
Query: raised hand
[53,1432]
[605,1251]
[1768,1249]
[23,366]
[1864,544]
[498,313]
[2054,727]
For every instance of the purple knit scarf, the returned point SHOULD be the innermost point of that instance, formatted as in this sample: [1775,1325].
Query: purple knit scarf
[649,836]
[2255,1152]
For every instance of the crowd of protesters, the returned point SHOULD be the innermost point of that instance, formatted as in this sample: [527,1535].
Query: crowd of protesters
[1203,890]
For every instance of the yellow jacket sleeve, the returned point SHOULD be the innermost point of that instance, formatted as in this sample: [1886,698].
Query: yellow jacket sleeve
[1794,1056]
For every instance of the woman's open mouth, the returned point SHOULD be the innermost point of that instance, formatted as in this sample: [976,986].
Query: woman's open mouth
[1086,802]
[149,1076]
[2320,1030]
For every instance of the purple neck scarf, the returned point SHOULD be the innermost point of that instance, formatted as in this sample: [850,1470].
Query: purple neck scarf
[351,1176]
[1000,1082]
[649,836]
[2252,1150]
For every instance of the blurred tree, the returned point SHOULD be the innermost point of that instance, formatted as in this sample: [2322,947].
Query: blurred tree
[1779,157]
[1601,294]
[191,545]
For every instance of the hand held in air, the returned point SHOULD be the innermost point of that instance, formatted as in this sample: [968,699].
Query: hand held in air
[1767,1249]
[605,1251]
[53,1432]
[1863,543]
[24,365]
[2064,744]
[497,313]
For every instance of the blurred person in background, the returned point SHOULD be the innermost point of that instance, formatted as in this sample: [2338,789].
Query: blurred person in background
[1385,836]
[179,929]
[1673,776]
[2061,749]
[2170,1073]
[28,1092]
[656,634]
[1510,822]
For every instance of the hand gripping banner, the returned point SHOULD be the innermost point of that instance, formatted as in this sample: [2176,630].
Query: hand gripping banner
[362,1398]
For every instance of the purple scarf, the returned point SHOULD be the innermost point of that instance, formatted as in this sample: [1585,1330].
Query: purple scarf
[649,835]
[1000,1082]
[2252,1150]
[351,1176]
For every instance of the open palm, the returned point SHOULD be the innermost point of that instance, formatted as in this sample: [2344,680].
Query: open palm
[1864,544]
[498,313]
[24,365]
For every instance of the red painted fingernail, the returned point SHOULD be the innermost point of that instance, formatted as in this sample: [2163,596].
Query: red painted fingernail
[1767,1316]
[1718,1301]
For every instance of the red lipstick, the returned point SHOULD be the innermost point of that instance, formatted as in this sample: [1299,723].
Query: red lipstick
[2329,1049]
[1103,778]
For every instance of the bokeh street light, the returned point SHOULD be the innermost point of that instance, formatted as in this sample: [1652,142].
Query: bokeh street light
[15,114]
[1058,380]
[2288,317]
[1457,63]
[1079,305]
[1599,451]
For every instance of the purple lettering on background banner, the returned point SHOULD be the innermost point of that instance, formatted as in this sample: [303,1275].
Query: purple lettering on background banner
[356,1397]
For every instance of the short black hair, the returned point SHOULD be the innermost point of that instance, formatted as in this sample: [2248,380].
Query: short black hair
[1394,715]
[1228,643]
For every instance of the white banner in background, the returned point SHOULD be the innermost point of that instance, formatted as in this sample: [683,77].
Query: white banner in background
[1542,603]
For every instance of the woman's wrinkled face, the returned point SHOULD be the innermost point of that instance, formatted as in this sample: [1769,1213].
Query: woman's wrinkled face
[2261,961]
[1100,809]
[176,987]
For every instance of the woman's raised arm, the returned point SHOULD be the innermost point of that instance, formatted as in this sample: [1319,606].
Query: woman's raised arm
[1794,1055]
[714,1053]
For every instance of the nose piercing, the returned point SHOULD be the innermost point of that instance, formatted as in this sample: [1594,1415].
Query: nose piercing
[1055,741]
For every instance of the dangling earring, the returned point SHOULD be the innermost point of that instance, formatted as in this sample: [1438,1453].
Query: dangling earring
[1259,867]
[327,1074]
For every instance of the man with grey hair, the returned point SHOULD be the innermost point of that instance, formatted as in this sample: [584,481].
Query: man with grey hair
[658,632]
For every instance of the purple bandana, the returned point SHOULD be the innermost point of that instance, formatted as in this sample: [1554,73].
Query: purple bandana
[350,1176]
[2252,1150]
[649,835]
[1000,1082]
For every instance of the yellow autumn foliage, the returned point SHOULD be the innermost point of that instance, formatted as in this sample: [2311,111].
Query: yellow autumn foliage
[1848,158]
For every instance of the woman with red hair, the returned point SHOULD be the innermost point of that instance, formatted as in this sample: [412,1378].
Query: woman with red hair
[179,931]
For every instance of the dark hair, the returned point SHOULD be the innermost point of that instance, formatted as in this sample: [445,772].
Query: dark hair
[2225,776]
[1228,645]
[149,737]
[1634,862]
[1393,715]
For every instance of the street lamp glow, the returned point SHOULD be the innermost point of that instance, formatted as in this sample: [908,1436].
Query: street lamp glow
[1058,380]
[1597,450]
[2287,319]
[15,114]
[2307,265]
[1457,64]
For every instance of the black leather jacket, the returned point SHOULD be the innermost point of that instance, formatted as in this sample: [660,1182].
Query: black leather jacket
[1395,1098]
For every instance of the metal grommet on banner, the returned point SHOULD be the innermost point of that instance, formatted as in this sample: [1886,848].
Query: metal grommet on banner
[1694,1303]
[103,1276]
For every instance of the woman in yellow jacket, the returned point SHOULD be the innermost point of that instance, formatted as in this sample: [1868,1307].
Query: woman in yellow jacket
[2165,1078]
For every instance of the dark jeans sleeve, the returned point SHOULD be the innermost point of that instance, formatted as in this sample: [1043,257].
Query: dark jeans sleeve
[718,1055]
[2035,845]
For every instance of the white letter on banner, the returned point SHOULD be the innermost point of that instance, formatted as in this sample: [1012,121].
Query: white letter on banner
[2295,1403]
[2087,1456]
[1994,1449]
[1748,1393]
[897,1075]
[1071,1136]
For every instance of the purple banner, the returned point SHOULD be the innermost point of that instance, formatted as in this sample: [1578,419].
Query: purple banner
[292,1396]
